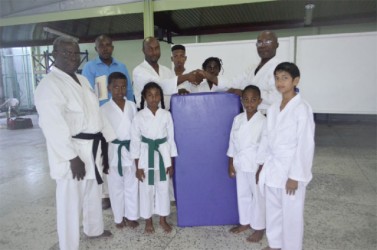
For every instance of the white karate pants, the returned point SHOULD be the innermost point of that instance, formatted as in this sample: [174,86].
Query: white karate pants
[171,189]
[251,204]
[124,193]
[105,186]
[72,198]
[154,199]
[285,218]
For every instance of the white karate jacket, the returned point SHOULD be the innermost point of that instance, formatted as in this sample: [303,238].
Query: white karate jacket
[66,109]
[153,127]
[264,79]
[287,146]
[244,140]
[121,121]
[144,73]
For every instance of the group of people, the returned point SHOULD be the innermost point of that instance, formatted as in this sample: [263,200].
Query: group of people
[91,139]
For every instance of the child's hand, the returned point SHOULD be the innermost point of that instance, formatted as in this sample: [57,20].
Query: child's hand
[257,174]
[232,171]
[170,171]
[291,186]
[140,174]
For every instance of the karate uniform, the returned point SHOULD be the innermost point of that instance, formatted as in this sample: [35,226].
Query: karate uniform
[243,145]
[264,79]
[223,85]
[166,78]
[154,199]
[67,109]
[123,190]
[286,150]
[97,68]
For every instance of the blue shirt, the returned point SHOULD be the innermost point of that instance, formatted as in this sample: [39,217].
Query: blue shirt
[96,68]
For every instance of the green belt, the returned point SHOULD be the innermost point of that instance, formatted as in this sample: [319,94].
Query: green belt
[153,146]
[126,144]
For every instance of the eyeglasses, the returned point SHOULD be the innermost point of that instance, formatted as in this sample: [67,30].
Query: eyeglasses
[264,43]
[66,53]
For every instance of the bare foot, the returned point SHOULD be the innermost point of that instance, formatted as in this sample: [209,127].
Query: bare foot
[105,234]
[256,236]
[239,229]
[120,225]
[149,229]
[167,228]
[130,223]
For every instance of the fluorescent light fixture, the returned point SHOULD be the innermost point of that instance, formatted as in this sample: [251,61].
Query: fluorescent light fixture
[309,14]
[59,33]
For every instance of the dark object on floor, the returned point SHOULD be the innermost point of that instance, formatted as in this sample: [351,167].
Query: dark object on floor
[19,123]
[106,203]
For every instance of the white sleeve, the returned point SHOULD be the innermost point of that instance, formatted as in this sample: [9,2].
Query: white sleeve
[171,141]
[303,159]
[50,104]
[262,151]
[107,130]
[230,151]
[243,79]
[135,145]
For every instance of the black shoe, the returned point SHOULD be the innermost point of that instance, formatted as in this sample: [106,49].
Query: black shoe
[106,203]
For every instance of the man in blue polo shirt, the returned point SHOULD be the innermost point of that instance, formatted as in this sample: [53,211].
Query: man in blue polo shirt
[97,70]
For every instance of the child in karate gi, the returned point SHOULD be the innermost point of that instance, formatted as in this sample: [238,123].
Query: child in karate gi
[152,147]
[123,184]
[286,153]
[243,145]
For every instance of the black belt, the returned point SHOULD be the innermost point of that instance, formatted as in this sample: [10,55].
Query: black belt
[96,139]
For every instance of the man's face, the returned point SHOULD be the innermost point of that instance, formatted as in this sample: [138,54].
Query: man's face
[266,45]
[104,48]
[151,50]
[179,58]
[67,57]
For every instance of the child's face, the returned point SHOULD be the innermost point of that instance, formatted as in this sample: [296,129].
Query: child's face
[153,98]
[118,89]
[251,101]
[284,82]
[212,68]
[179,58]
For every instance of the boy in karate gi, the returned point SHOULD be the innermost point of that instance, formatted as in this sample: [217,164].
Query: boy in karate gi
[243,145]
[152,147]
[286,153]
[123,184]
[71,122]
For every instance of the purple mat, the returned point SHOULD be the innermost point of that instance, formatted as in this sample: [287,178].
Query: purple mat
[204,192]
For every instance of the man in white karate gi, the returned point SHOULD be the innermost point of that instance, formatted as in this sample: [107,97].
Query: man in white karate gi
[263,74]
[151,71]
[70,119]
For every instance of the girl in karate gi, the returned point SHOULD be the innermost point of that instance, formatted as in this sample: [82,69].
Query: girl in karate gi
[243,145]
[152,147]
[123,184]
[286,153]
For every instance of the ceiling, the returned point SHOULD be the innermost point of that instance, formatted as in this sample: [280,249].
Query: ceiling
[258,15]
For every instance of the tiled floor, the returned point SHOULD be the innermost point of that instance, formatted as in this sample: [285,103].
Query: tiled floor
[340,208]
